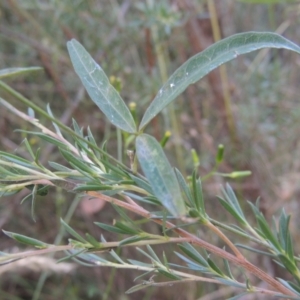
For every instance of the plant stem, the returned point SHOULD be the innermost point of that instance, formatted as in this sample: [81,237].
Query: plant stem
[201,243]
[217,231]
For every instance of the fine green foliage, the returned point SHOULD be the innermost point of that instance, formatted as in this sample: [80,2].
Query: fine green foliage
[95,173]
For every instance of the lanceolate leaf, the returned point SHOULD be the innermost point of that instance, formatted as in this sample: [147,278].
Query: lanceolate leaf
[100,90]
[16,71]
[160,174]
[209,59]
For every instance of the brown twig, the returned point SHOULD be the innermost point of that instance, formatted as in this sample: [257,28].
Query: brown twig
[240,261]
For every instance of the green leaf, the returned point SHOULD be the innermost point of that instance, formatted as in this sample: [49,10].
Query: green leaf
[231,210]
[168,274]
[266,230]
[138,287]
[289,265]
[215,268]
[71,231]
[112,228]
[228,270]
[99,88]
[132,239]
[46,138]
[190,251]
[198,196]
[92,187]
[92,240]
[255,250]
[160,174]
[209,59]
[25,239]
[16,71]
[291,287]
[231,283]
[16,159]
[192,265]
[283,229]
[76,162]
[141,183]
[184,187]
[53,123]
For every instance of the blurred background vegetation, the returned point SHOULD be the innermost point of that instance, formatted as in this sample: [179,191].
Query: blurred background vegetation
[251,106]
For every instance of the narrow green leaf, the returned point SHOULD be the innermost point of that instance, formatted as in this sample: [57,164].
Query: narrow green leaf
[99,88]
[138,287]
[16,71]
[92,240]
[29,149]
[231,210]
[283,229]
[72,256]
[71,231]
[16,159]
[132,239]
[184,187]
[231,283]
[198,196]
[214,267]
[33,197]
[255,250]
[75,161]
[192,265]
[160,174]
[59,167]
[139,263]
[53,123]
[127,228]
[25,239]
[289,265]
[111,228]
[209,59]
[76,127]
[91,137]
[116,257]
[291,287]
[290,248]
[265,229]
[46,138]
[92,187]
[228,270]
[168,274]
[153,254]
[190,251]
[231,197]
[124,216]
[141,183]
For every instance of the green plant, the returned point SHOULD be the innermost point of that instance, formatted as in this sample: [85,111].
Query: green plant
[161,196]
